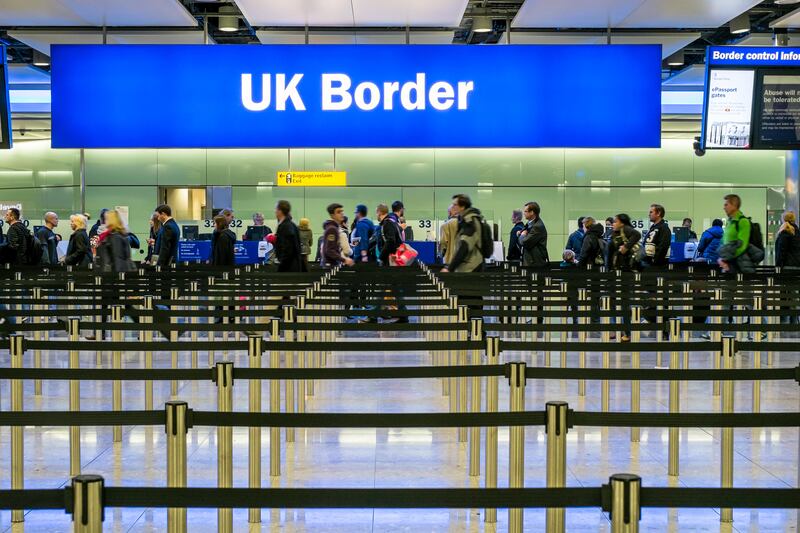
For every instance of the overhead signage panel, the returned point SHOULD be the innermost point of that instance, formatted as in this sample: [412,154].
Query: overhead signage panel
[312,179]
[241,96]
[753,56]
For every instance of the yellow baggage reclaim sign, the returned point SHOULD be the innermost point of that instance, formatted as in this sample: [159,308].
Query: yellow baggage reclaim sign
[312,179]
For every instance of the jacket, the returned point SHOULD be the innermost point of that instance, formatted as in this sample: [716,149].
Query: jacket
[222,248]
[391,237]
[656,245]
[331,247]
[168,242]
[628,237]
[467,256]
[287,247]
[16,245]
[514,251]
[709,244]
[306,241]
[78,251]
[591,247]
[114,253]
[49,245]
[737,229]
[362,232]
[787,248]
[447,240]
[534,244]
[575,241]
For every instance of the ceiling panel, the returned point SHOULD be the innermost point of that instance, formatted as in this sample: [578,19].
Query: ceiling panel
[42,39]
[26,74]
[757,39]
[670,42]
[691,76]
[790,20]
[629,13]
[359,37]
[94,13]
[348,13]
[686,13]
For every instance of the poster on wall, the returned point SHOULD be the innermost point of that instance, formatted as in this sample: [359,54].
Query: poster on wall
[730,108]
[779,123]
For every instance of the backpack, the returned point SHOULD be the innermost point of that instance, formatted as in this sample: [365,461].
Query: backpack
[33,250]
[487,240]
[756,238]
[134,241]
[600,258]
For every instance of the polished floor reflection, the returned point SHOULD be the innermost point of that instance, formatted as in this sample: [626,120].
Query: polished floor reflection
[411,457]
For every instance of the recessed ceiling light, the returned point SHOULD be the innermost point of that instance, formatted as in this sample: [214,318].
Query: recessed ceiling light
[675,59]
[740,24]
[482,24]
[785,2]
[229,23]
[40,59]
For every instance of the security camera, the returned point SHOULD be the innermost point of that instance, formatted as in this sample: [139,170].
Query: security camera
[699,151]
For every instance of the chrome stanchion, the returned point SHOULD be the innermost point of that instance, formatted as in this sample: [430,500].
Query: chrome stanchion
[625,503]
[17,438]
[562,336]
[36,293]
[116,363]
[758,306]
[176,429]
[288,336]
[300,336]
[73,330]
[194,288]
[254,448]
[211,320]
[659,316]
[674,399]
[583,300]
[636,335]
[274,404]
[687,294]
[556,429]
[173,337]
[772,319]
[726,443]
[146,335]
[452,361]
[99,334]
[492,356]
[476,334]
[605,386]
[224,379]
[716,336]
[463,318]
[516,463]
[87,504]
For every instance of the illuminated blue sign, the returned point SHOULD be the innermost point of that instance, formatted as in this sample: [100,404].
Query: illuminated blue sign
[752,56]
[185,96]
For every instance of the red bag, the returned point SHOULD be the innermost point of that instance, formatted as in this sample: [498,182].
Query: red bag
[404,256]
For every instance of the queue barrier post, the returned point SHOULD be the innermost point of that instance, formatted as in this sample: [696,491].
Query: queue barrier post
[563,291]
[516,463]
[636,318]
[36,292]
[674,399]
[211,282]
[461,360]
[99,334]
[758,306]
[224,380]
[17,351]
[726,442]
[73,330]
[88,510]
[492,400]
[176,428]
[146,335]
[476,334]
[290,401]
[303,385]
[626,509]
[687,293]
[254,442]
[716,336]
[556,429]
[661,296]
[194,289]
[771,319]
[605,385]
[451,359]
[274,404]
[583,305]
[116,364]
[174,294]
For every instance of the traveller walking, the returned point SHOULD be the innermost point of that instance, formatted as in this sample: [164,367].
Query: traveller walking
[152,241]
[79,252]
[15,250]
[113,246]
[391,235]
[168,236]
[363,229]
[710,240]
[533,239]
[575,239]
[306,240]
[99,226]
[787,243]
[222,243]
[514,250]
[331,245]
[288,249]
[656,242]
[447,237]
[593,247]
[624,246]
[468,256]
[48,239]
[737,254]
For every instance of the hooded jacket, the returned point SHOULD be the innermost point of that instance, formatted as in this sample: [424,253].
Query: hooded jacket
[362,232]
[708,247]
[287,246]
[468,256]
[222,248]
[591,248]
[331,248]
[787,248]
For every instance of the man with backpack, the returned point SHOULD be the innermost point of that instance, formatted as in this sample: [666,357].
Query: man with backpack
[742,243]
[533,239]
[361,235]
[20,247]
[470,245]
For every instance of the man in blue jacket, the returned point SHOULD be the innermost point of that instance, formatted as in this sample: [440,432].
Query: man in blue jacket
[575,239]
[710,240]
[362,232]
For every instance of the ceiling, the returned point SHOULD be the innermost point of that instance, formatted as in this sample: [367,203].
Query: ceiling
[94,13]
[354,37]
[671,42]
[42,39]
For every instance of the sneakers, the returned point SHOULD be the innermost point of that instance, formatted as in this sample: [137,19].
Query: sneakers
[705,336]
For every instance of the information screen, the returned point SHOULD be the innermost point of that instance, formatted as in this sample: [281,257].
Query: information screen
[730,108]
[779,123]
[5,111]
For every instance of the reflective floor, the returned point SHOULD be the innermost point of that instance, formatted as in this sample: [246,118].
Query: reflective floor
[368,458]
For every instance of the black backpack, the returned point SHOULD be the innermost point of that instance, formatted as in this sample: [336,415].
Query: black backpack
[756,237]
[487,240]
[33,250]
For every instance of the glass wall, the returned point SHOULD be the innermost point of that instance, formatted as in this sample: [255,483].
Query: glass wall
[566,183]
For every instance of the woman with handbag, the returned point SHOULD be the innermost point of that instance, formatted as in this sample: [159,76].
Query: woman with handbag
[622,255]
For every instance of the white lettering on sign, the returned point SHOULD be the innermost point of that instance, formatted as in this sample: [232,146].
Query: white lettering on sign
[338,93]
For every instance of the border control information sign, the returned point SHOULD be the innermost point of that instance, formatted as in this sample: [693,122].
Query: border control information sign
[752,98]
[334,96]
